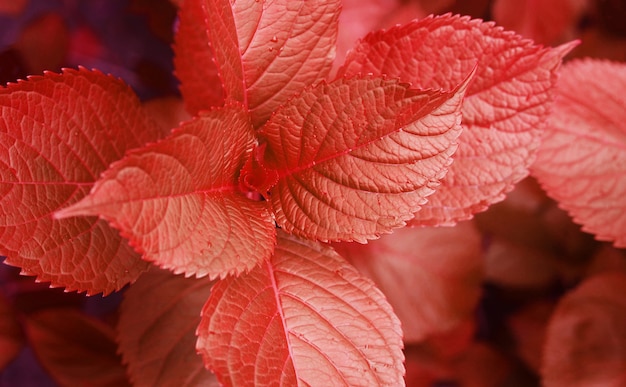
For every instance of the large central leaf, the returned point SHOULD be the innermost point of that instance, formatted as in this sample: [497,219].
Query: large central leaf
[357,157]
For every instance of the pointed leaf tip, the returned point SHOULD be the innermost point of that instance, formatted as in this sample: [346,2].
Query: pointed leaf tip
[501,128]
[192,219]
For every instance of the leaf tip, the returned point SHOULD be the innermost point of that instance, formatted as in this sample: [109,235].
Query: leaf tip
[76,209]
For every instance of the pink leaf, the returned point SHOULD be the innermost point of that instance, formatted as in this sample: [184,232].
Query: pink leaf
[57,134]
[504,110]
[194,61]
[431,276]
[304,318]
[75,348]
[586,340]
[582,160]
[357,157]
[178,201]
[157,330]
[266,51]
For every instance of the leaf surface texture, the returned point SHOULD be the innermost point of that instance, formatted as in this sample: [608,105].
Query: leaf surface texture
[178,201]
[306,317]
[58,132]
[357,157]
[505,107]
[582,159]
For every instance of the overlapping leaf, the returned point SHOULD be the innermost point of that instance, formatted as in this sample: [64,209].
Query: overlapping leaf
[57,134]
[356,158]
[582,160]
[157,327]
[177,200]
[304,318]
[503,113]
[431,276]
[267,51]
[194,61]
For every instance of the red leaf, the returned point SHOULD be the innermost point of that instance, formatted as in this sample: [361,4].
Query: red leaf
[178,200]
[356,158]
[586,340]
[157,330]
[194,61]
[546,22]
[75,349]
[503,113]
[268,51]
[57,134]
[306,317]
[431,276]
[582,160]
[11,339]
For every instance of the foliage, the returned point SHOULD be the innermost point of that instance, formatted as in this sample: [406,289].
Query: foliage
[267,203]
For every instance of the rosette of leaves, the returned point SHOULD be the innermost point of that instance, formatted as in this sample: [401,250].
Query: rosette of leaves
[425,123]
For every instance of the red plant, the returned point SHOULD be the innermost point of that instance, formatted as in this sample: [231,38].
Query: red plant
[284,163]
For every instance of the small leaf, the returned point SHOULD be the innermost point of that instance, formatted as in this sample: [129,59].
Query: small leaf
[178,201]
[194,61]
[266,51]
[356,158]
[582,160]
[504,111]
[11,337]
[304,318]
[58,132]
[157,330]
[431,276]
[75,348]
[586,340]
